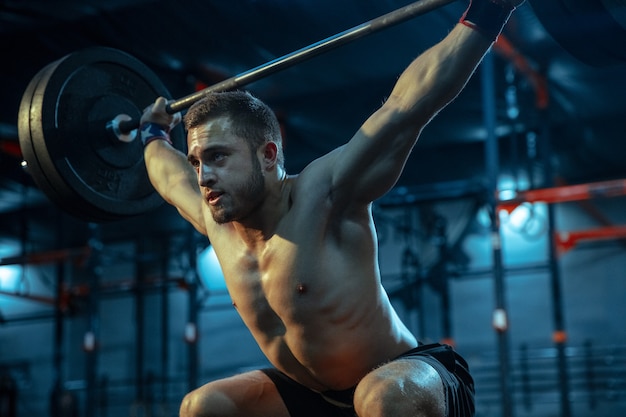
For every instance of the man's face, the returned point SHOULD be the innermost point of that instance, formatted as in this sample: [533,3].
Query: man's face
[229,172]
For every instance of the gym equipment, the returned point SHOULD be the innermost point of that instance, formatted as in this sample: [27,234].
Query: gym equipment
[78,118]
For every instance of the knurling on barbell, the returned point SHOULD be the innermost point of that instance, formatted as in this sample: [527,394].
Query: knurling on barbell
[77,116]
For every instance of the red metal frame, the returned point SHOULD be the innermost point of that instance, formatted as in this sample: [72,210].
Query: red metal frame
[566,241]
[566,193]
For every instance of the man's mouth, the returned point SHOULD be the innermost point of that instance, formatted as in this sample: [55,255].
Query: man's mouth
[213,197]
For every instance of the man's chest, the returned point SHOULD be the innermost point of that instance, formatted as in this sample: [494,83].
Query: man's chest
[287,279]
[279,265]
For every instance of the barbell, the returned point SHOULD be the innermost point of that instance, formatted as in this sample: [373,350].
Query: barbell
[78,118]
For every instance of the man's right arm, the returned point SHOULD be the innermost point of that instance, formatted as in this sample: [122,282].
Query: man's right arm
[168,169]
[175,180]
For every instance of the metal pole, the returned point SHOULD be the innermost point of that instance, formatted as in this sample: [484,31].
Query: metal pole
[165,322]
[446,307]
[192,315]
[58,321]
[559,335]
[90,342]
[193,345]
[139,323]
[500,319]
[57,384]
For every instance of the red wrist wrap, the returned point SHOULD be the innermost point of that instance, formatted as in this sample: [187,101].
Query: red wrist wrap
[487,16]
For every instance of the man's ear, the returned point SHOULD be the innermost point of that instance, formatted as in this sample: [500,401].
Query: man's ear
[270,154]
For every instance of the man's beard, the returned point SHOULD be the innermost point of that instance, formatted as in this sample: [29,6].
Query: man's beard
[250,194]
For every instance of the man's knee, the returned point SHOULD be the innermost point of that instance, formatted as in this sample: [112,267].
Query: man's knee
[205,402]
[190,406]
[391,391]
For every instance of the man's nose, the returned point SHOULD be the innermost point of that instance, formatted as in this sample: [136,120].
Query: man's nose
[206,176]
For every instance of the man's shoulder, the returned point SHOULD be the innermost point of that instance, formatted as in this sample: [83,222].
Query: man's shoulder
[318,173]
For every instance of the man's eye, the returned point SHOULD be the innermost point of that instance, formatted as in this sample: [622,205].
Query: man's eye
[195,163]
[218,156]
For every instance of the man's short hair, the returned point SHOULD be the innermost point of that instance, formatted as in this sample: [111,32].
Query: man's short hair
[252,119]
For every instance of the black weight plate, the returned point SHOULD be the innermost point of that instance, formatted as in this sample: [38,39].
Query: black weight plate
[74,159]
[24,129]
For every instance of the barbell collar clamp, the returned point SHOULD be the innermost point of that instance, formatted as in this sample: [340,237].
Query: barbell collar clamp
[126,134]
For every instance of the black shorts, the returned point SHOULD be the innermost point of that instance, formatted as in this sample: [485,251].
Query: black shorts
[451,367]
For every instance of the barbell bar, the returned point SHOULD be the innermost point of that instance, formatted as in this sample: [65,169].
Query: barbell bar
[78,117]
[384,21]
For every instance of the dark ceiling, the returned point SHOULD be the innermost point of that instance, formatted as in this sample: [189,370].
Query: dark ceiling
[571,52]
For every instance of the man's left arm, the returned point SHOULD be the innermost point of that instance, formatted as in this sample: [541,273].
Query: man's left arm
[371,163]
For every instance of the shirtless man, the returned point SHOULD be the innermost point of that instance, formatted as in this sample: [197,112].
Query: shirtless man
[299,252]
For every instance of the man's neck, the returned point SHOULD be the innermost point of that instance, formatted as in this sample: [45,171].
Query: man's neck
[257,228]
